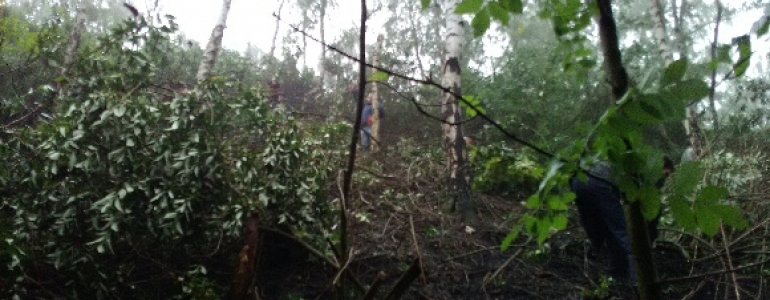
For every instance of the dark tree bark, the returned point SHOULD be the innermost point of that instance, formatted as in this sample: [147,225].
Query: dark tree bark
[648,287]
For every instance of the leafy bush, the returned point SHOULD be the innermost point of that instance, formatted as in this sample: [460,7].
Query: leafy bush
[126,188]
[500,170]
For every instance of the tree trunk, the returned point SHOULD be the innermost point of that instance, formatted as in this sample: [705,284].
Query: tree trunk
[322,75]
[457,156]
[245,265]
[214,45]
[691,126]
[659,23]
[277,26]
[648,287]
[376,100]
[73,43]
[712,90]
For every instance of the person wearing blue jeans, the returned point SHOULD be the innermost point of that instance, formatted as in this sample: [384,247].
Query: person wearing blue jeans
[366,123]
[600,206]
[601,214]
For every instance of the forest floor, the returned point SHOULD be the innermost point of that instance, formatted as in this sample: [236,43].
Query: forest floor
[463,260]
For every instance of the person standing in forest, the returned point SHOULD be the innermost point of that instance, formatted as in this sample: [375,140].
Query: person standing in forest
[601,214]
[276,93]
[367,119]
[600,206]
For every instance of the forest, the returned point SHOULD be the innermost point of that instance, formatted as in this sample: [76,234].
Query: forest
[430,150]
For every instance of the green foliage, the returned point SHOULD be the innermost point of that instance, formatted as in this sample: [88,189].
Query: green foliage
[500,170]
[196,286]
[636,165]
[480,23]
[483,14]
[743,43]
[600,292]
[469,6]
[124,169]
[472,106]
[378,76]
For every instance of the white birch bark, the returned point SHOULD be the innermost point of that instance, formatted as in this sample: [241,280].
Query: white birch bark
[376,99]
[457,156]
[664,48]
[214,45]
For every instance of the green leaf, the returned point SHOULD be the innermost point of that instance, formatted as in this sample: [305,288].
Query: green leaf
[683,214]
[729,214]
[378,76]
[424,4]
[674,72]
[498,12]
[650,201]
[533,201]
[636,111]
[472,106]
[480,23]
[555,203]
[708,222]
[686,178]
[119,110]
[744,49]
[560,222]
[513,6]
[543,228]
[761,26]
[469,6]
[689,90]
[711,195]
[510,238]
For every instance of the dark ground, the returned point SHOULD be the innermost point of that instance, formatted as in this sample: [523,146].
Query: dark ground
[464,261]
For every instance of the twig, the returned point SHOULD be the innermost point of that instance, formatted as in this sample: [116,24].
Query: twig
[417,249]
[307,246]
[736,287]
[344,267]
[720,272]
[500,269]
[317,254]
[381,276]
[405,281]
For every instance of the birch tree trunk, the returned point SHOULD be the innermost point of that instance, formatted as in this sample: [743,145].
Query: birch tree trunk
[376,99]
[322,12]
[73,44]
[214,45]
[277,26]
[691,126]
[457,155]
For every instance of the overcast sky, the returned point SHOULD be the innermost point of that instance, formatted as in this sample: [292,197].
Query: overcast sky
[251,21]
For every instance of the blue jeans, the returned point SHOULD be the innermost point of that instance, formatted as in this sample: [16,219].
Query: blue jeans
[602,217]
[366,141]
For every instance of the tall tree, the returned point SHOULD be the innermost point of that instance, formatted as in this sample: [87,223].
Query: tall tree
[457,155]
[277,26]
[648,287]
[73,43]
[376,99]
[691,126]
[214,45]
[322,29]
